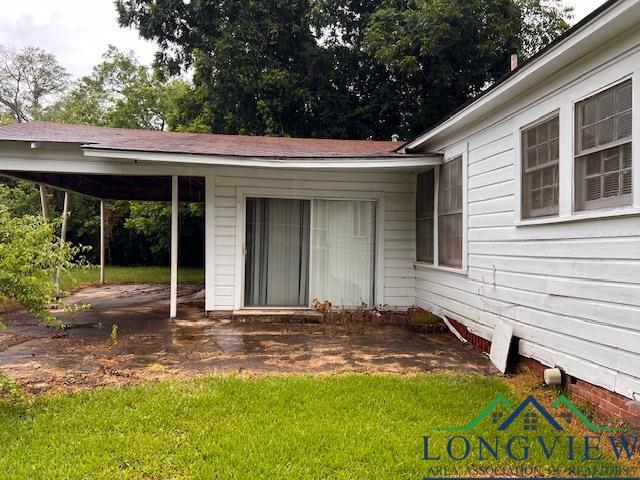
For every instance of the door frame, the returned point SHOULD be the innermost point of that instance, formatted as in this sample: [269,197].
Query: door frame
[241,210]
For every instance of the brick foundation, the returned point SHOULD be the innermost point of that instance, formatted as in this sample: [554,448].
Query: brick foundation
[475,340]
[603,400]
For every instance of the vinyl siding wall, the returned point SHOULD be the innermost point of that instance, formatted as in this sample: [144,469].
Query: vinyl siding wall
[396,192]
[571,289]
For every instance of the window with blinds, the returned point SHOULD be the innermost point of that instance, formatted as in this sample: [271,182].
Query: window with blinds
[603,149]
[424,217]
[540,169]
[450,214]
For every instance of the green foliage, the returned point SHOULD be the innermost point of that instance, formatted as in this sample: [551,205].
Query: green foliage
[114,333]
[29,253]
[119,93]
[543,21]
[152,220]
[338,68]
[10,393]
[20,198]
[442,53]
[29,80]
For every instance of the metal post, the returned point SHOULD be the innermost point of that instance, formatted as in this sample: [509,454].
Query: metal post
[174,247]
[210,235]
[44,201]
[102,245]
[65,218]
[63,235]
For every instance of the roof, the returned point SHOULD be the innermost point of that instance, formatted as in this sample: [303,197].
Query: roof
[121,139]
[626,18]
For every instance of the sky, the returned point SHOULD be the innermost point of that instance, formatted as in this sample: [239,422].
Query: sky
[79,31]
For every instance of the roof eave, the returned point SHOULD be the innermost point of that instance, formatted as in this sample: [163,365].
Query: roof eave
[311,163]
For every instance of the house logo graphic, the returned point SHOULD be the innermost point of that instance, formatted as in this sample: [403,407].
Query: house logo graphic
[530,418]
[527,434]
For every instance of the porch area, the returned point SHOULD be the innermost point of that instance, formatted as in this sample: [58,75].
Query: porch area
[149,346]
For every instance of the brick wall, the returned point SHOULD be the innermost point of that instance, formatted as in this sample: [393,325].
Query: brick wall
[603,400]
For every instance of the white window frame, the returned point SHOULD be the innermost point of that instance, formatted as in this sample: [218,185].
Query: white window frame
[567,108]
[451,154]
[521,167]
[242,193]
[613,203]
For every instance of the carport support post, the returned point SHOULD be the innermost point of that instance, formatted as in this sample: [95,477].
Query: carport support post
[101,242]
[209,244]
[174,247]
[44,201]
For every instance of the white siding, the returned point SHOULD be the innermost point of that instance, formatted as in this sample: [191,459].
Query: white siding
[571,289]
[396,189]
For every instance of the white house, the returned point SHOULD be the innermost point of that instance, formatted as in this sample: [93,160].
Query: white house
[523,206]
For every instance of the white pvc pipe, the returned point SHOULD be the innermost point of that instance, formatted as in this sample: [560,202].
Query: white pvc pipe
[174,247]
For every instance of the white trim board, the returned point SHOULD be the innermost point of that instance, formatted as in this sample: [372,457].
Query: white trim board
[319,163]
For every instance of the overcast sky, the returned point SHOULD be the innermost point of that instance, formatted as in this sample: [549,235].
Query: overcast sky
[78,31]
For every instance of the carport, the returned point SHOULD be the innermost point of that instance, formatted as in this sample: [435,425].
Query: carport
[37,158]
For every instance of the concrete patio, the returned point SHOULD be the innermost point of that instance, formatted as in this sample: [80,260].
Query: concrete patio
[150,346]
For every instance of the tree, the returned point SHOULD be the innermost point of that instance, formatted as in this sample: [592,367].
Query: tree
[29,252]
[120,92]
[444,53]
[29,80]
[339,68]
[152,221]
[542,22]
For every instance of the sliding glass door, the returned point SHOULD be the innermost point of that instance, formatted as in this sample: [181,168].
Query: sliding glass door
[280,270]
[343,256]
[277,252]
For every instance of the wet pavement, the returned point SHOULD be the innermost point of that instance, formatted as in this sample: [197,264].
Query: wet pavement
[150,346]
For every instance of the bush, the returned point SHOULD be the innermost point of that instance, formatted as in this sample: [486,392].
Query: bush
[31,256]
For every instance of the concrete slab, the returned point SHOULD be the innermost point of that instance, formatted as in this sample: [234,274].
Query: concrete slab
[151,346]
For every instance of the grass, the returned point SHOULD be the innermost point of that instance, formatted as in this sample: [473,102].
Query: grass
[130,275]
[286,427]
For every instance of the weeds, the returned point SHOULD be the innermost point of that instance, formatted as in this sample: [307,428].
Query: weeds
[10,393]
[114,333]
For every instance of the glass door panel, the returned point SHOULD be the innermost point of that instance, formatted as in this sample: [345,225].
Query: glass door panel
[277,252]
[343,257]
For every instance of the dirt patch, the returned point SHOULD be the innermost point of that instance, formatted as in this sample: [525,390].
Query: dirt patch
[149,346]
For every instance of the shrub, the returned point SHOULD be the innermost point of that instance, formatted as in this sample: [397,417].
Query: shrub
[31,256]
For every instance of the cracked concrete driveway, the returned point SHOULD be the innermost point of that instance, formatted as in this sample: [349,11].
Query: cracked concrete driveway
[151,346]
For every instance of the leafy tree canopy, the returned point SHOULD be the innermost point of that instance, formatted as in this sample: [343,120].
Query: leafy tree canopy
[120,92]
[339,68]
[29,80]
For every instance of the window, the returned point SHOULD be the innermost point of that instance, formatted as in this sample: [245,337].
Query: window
[424,217]
[447,214]
[540,169]
[450,214]
[603,149]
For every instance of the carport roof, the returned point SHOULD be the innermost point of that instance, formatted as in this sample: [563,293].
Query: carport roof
[121,139]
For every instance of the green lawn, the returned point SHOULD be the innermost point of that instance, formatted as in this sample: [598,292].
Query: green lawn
[126,275]
[282,427]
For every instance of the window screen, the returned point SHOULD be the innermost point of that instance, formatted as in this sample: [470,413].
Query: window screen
[450,214]
[424,217]
[540,171]
[603,149]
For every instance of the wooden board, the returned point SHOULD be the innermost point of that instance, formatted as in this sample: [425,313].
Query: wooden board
[502,336]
